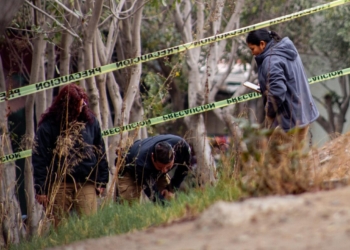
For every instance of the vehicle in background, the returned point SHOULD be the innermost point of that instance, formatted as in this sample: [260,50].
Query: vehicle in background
[238,75]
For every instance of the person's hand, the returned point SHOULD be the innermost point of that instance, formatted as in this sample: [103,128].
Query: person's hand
[41,199]
[100,190]
[168,195]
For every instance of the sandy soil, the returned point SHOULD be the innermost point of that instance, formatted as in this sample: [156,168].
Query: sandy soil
[319,220]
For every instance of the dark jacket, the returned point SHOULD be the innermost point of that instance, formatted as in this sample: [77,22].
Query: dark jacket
[86,160]
[283,82]
[138,163]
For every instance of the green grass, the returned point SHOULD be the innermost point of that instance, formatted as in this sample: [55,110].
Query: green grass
[115,218]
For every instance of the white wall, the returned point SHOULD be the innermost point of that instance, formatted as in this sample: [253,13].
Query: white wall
[313,67]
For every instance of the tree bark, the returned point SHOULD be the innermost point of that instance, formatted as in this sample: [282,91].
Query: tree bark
[8,10]
[41,97]
[81,67]
[133,37]
[89,33]
[197,135]
[34,209]
[10,214]
[50,71]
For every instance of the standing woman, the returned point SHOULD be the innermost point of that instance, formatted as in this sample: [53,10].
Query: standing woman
[283,83]
[69,158]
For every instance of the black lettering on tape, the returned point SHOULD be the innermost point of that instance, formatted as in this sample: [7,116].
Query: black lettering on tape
[2,96]
[11,157]
[105,133]
[123,63]
[149,56]
[188,111]
[47,85]
[64,79]
[137,59]
[119,64]
[56,81]
[111,131]
[39,86]
[77,75]
[340,72]
[14,92]
[127,62]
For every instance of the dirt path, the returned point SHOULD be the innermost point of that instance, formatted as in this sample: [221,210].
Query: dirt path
[310,221]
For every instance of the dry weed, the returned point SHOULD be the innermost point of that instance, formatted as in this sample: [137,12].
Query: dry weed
[280,167]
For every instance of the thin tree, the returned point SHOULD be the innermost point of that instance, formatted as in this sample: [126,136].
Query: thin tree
[193,19]
[10,214]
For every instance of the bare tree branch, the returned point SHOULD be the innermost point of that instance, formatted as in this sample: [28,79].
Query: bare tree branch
[67,9]
[54,19]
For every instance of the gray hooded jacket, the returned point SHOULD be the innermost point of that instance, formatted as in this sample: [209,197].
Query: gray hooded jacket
[284,85]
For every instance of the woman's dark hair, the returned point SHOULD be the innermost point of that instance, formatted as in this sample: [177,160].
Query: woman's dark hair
[67,106]
[254,37]
[163,152]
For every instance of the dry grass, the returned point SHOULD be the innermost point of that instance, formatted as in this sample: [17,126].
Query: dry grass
[331,162]
[279,167]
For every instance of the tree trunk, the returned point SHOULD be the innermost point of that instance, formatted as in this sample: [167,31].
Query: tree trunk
[134,37]
[344,104]
[10,214]
[336,119]
[105,111]
[90,32]
[116,100]
[81,67]
[50,71]
[8,10]
[34,209]
[40,97]
[198,137]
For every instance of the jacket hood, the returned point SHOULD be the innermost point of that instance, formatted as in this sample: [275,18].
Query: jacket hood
[284,48]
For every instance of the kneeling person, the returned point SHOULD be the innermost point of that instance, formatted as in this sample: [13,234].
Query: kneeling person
[146,166]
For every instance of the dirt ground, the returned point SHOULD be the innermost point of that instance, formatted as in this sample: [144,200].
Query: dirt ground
[318,220]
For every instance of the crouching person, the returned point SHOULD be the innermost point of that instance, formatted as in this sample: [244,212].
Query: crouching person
[69,157]
[146,168]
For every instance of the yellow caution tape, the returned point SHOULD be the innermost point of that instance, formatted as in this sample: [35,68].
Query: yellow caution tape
[48,84]
[183,113]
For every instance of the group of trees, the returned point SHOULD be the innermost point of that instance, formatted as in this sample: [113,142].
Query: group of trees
[63,37]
